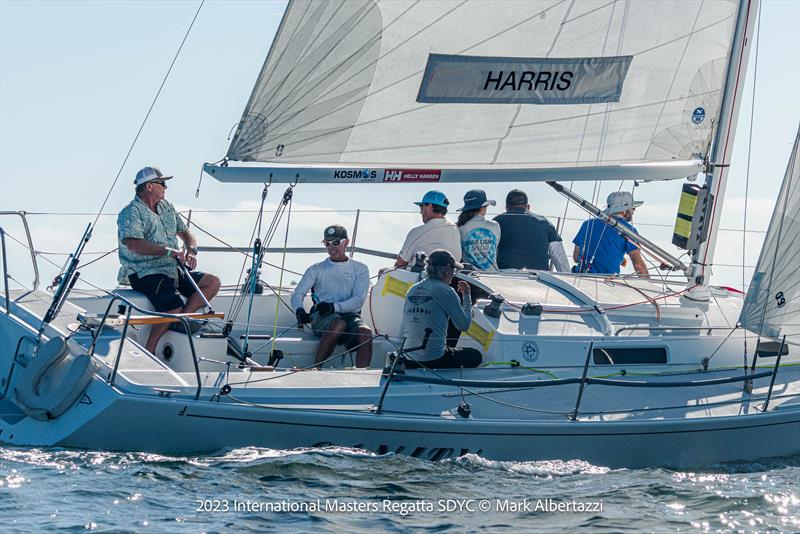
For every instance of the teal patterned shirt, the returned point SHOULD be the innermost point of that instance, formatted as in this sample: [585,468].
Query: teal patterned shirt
[137,221]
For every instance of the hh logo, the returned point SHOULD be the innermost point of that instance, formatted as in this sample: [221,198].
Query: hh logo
[393,176]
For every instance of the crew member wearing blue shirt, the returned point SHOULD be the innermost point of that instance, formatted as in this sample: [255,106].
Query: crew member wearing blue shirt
[600,249]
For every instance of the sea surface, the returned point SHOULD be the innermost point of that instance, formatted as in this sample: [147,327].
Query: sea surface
[345,490]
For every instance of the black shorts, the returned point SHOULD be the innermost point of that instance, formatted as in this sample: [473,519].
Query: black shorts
[163,292]
[453,358]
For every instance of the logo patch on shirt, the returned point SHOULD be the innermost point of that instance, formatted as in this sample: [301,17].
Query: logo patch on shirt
[479,248]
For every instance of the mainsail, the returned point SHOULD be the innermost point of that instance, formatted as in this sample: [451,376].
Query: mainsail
[556,87]
[772,306]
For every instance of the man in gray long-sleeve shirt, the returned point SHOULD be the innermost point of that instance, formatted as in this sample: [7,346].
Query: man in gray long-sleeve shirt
[339,287]
[429,304]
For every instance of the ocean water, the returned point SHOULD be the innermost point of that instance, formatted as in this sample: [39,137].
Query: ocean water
[345,490]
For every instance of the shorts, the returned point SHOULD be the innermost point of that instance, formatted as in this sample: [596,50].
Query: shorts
[452,358]
[164,292]
[321,323]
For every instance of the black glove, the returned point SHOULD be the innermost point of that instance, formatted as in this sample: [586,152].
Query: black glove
[302,316]
[324,308]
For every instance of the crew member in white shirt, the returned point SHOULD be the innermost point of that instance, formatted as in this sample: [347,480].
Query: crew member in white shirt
[338,288]
[436,232]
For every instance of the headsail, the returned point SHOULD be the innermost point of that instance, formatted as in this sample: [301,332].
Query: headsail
[529,84]
[772,306]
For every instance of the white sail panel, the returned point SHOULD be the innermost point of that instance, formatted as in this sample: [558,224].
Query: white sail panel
[772,306]
[342,80]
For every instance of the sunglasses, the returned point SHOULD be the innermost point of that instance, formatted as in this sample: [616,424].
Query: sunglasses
[334,243]
[162,183]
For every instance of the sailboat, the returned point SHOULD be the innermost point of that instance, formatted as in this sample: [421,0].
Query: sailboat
[614,370]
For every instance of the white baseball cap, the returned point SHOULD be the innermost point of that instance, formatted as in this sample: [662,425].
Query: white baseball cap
[148,174]
[620,201]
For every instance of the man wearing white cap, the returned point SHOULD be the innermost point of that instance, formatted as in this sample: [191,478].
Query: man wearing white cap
[601,249]
[147,228]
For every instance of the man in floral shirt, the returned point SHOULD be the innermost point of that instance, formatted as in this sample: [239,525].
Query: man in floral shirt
[147,230]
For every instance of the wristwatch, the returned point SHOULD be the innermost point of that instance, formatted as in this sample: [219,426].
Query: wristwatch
[193,250]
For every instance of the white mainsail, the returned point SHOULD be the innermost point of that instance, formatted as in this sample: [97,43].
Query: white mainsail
[554,87]
[772,306]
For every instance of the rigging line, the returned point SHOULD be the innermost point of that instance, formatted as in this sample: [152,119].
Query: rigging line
[675,73]
[604,130]
[257,261]
[747,172]
[413,74]
[721,153]
[750,152]
[278,300]
[722,342]
[658,273]
[256,230]
[149,111]
[603,133]
[363,210]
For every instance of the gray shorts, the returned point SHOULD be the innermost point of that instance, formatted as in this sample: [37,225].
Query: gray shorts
[321,323]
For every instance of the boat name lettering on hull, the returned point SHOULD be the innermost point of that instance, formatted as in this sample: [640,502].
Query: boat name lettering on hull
[412,175]
[451,79]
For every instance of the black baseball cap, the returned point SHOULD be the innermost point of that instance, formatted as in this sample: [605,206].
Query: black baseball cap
[443,258]
[516,197]
[335,231]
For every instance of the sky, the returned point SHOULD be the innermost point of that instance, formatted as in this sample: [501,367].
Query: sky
[77,77]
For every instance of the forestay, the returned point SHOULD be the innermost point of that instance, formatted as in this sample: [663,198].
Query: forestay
[772,305]
[403,91]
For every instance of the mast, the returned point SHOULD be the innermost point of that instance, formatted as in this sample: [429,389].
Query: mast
[719,160]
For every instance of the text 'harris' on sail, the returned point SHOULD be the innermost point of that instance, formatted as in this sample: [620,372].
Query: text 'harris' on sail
[513,80]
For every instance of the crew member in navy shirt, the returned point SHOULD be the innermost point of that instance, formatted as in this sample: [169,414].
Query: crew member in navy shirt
[600,249]
[527,240]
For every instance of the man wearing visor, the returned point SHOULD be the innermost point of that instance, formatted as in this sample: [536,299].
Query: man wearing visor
[339,287]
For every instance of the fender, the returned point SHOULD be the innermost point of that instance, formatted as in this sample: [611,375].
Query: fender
[59,397]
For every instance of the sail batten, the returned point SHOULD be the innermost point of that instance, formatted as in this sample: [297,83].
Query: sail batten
[536,83]
[772,305]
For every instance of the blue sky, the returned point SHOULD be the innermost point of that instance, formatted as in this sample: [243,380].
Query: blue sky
[76,79]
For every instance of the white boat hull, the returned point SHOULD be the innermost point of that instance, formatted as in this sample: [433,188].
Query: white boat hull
[106,420]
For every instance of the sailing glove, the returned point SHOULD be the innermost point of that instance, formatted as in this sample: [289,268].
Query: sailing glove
[302,316]
[324,308]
